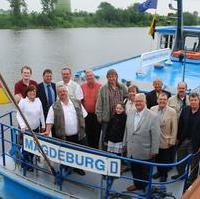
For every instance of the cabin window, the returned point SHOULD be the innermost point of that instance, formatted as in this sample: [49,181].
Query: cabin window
[166,41]
[192,43]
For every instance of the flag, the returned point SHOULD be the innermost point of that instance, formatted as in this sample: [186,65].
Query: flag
[4,99]
[153,26]
[147,5]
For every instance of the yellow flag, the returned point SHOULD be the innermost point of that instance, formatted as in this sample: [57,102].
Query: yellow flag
[4,99]
[153,26]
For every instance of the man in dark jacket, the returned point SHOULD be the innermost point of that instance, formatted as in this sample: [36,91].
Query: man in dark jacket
[189,136]
[47,91]
[152,96]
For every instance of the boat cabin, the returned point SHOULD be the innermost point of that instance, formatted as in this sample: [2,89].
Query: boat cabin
[191,37]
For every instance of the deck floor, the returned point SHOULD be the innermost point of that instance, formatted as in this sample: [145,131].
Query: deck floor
[76,190]
[171,75]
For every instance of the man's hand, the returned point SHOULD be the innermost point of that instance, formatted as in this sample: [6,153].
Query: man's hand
[23,130]
[153,155]
[42,130]
[46,133]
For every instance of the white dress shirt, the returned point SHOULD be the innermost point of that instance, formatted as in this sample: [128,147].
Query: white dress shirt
[74,89]
[137,118]
[32,111]
[71,121]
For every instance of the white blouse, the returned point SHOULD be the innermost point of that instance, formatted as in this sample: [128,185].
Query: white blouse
[32,111]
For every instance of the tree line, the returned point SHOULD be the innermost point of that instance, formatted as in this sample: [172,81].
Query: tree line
[105,16]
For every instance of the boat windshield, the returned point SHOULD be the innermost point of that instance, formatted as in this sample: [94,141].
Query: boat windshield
[167,41]
[192,43]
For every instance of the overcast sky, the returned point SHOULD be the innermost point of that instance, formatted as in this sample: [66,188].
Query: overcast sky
[91,5]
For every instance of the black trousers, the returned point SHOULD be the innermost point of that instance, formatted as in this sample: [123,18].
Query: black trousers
[184,149]
[72,138]
[27,157]
[141,172]
[92,130]
[164,156]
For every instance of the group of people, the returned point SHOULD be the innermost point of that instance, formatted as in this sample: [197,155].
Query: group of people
[153,127]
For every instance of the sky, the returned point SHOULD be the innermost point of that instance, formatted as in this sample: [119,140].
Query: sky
[91,5]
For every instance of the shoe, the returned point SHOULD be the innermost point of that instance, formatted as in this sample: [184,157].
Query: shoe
[163,179]
[156,175]
[175,177]
[134,188]
[79,171]
[124,169]
[30,169]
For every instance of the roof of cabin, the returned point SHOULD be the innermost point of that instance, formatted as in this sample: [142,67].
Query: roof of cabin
[172,29]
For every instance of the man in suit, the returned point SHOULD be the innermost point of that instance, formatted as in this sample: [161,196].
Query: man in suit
[168,125]
[152,96]
[142,139]
[47,91]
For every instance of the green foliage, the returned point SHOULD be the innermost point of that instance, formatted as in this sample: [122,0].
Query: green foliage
[105,16]
[48,6]
[18,6]
[190,19]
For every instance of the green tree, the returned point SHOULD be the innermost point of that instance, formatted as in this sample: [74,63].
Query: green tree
[190,19]
[18,6]
[106,13]
[48,6]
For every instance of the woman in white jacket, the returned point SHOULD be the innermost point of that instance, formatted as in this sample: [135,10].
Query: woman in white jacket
[31,107]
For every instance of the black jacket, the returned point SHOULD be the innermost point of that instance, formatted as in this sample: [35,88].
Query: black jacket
[189,130]
[152,98]
[43,98]
[116,127]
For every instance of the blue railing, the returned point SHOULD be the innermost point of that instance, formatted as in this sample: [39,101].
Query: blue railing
[106,186]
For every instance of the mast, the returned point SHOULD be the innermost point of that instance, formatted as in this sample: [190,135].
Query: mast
[179,32]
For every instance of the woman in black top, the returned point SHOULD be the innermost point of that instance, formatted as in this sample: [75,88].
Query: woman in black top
[115,131]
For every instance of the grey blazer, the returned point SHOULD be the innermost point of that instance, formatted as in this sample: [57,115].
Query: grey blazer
[145,139]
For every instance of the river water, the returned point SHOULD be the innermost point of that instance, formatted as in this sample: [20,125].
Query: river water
[77,47]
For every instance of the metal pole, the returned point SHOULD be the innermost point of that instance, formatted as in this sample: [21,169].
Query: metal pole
[179,32]
[3,145]
[184,65]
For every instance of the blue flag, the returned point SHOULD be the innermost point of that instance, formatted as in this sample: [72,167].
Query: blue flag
[147,4]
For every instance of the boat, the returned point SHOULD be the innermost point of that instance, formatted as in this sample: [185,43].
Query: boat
[167,63]
[103,178]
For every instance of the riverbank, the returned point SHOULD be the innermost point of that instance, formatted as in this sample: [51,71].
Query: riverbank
[67,20]
[122,18]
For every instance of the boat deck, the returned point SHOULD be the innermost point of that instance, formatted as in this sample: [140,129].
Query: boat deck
[171,75]
[72,186]
[94,185]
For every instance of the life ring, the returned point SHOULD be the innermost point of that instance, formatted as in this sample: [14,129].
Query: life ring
[193,55]
[189,55]
[177,53]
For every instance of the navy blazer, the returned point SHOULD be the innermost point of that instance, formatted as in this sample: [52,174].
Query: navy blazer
[43,98]
[152,98]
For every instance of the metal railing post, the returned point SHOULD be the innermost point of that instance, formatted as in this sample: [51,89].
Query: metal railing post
[11,123]
[150,183]
[3,145]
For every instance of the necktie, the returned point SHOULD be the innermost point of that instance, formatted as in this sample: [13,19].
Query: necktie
[50,97]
